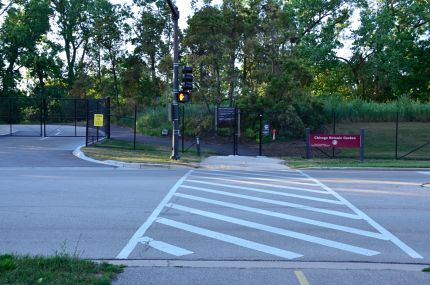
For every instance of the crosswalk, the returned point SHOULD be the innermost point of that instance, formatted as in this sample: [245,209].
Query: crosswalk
[274,213]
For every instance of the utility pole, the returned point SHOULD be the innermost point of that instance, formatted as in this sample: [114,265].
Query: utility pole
[175,111]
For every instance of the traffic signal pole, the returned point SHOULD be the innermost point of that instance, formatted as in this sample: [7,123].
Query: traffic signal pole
[175,111]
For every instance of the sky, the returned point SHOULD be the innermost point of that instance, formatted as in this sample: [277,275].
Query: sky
[184,7]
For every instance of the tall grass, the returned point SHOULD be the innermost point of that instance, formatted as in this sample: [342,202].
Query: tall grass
[358,110]
[199,119]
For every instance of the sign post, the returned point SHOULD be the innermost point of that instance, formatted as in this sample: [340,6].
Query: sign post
[226,117]
[361,144]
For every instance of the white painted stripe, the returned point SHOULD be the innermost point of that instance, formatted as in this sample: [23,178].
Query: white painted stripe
[285,217]
[255,183]
[247,173]
[272,192]
[289,181]
[408,250]
[425,172]
[275,202]
[230,239]
[276,172]
[126,251]
[165,247]
[275,230]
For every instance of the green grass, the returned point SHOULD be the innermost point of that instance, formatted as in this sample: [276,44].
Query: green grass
[328,162]
[426,269]
[144,153]
[61,270]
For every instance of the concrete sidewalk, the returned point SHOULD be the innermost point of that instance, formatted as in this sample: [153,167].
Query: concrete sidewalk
[250,163]
[4,130]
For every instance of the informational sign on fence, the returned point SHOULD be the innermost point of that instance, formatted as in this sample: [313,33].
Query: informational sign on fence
[98,120]
[225,117]
[266,130]
[335,140]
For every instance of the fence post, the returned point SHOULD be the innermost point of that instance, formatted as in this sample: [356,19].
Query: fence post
[98,112]
[135,126]
[198,145]
[108,105]
[397,135]
[235,132]
[76,115]
[45,115]
[10,118]
[361,144]
[41,117]
[87,125]
[260,150]
[308,143]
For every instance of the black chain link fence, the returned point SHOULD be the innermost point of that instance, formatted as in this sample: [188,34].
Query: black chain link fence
[388,135]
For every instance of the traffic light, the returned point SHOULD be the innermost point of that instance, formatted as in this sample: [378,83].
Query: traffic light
[183,97]
[187,78]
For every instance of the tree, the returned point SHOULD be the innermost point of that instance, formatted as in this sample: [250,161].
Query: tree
[205,39]
[150,28]
[108,30]
[390,51]
[73,23]
[23,28]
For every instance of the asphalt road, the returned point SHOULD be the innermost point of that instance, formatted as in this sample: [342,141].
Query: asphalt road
[274,227]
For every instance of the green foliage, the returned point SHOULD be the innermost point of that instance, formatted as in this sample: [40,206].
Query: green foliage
[153,121]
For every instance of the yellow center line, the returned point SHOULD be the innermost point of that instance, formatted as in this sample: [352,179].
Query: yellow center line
[301,277]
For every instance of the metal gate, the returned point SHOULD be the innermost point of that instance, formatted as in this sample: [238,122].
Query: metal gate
[98,120]
[54,117]
[21,116]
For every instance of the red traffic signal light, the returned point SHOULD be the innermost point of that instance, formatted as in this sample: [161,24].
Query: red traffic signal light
[183,97]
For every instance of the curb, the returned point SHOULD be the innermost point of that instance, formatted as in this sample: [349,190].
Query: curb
[121,164]
[365,168]
[260,264]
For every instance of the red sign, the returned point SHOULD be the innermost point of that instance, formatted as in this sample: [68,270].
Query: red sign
[346,141]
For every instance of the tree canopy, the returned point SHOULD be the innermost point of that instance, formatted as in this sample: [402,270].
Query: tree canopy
[253,53]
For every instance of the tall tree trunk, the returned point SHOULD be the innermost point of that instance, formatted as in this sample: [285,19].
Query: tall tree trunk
[115,76]
[218,84]
[232,78]
[153,76]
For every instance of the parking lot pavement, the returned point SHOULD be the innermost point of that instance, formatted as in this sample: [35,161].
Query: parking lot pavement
[41,152]
[89,211]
